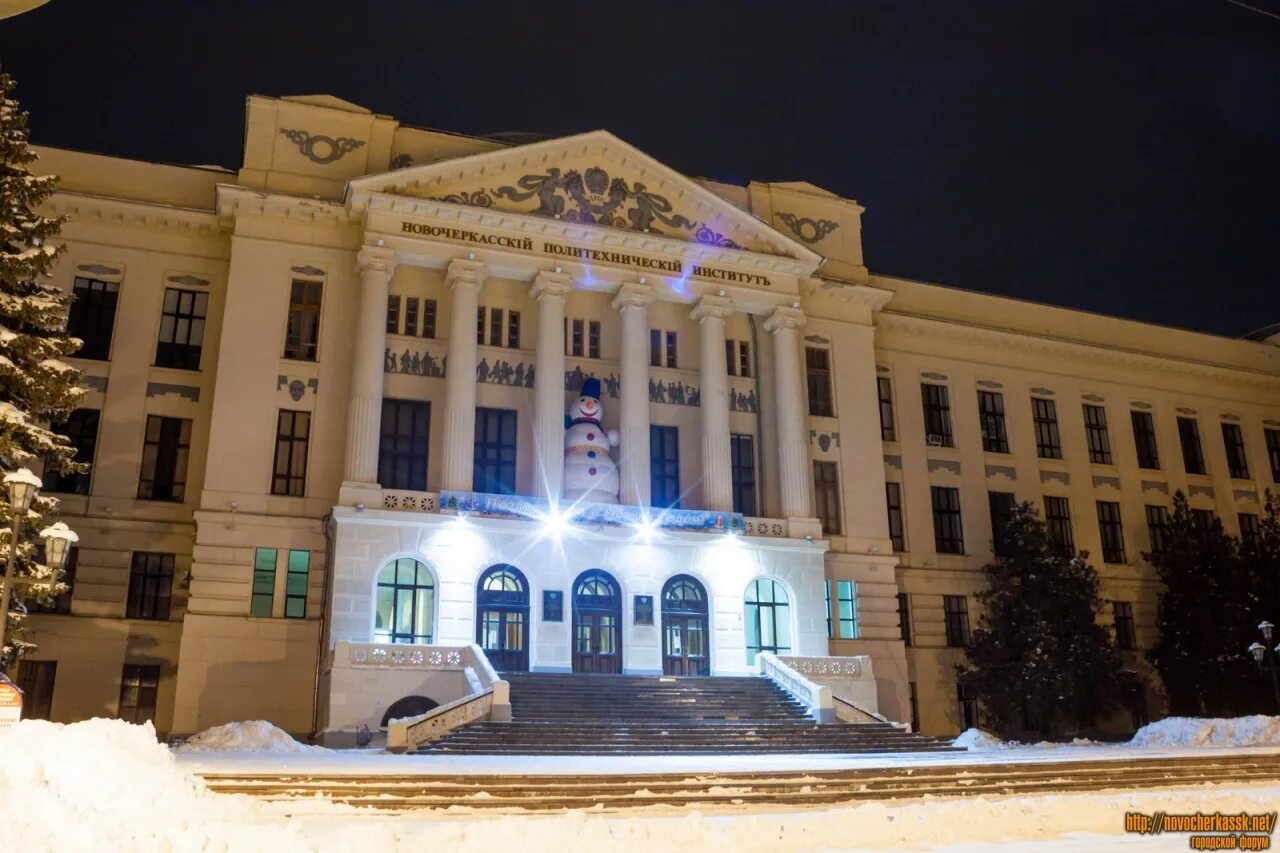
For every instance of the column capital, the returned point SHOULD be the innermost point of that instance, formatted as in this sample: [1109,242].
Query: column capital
[464,272]
[551,284]
[377,258]
[714,307]
[784,317]
[633,294]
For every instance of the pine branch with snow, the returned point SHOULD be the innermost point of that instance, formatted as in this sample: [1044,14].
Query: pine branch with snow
[37,387]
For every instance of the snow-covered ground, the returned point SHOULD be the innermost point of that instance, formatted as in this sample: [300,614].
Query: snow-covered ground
[107,785]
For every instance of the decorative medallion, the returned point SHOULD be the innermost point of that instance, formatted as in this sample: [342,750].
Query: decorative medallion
[592,197]
[808,230]
[320,148]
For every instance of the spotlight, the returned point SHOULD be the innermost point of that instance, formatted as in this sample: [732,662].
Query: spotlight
[646,527]
[555,523]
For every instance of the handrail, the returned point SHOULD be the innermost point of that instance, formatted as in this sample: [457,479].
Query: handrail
[858,710]
[404,733]
[816,697]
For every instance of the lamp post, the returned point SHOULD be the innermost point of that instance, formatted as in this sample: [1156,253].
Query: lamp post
[22,487]
[1261,652]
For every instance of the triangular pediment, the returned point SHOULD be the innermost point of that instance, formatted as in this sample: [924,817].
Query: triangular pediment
[589,179]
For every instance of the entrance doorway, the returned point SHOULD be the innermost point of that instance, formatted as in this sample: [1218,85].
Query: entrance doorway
[597,623]
[684,628]
[502,618]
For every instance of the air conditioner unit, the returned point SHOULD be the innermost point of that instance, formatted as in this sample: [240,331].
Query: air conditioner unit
[934,440]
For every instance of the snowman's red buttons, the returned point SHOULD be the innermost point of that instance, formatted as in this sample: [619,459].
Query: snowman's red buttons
[591,436]
[591,471]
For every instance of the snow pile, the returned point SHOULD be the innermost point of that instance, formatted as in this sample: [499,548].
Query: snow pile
[1196,731]
[976,739]
[251,736]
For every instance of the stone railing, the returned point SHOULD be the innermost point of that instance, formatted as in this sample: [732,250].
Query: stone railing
[830,667]
[851,712]
[816,697]
[488,696]
[406,501]
[412,732]
[766,526]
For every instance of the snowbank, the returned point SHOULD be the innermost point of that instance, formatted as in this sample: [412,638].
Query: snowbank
[1196,731]
[976,740]
[252,736]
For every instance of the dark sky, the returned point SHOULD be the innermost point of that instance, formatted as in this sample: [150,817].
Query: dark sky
[1121,157]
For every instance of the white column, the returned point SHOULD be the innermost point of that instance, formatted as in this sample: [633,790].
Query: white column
[633,301]
[364,409]
[795,474]
[550,290]
[464,279]
[717,462]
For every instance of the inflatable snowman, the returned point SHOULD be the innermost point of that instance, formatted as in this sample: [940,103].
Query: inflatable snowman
[589,471]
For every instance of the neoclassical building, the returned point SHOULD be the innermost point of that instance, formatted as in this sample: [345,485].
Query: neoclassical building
[327,410]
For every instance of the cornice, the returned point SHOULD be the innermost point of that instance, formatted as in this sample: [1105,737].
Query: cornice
[236,201]
[936,329]
[863,295]
[83,208]
[528,225]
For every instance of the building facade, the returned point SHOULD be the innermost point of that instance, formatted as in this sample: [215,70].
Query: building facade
[810,455]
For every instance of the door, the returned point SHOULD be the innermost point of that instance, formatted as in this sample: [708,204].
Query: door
[597,623]
[684,627]
[502,618]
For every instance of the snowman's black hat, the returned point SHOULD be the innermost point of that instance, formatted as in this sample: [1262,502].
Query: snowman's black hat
[591,388]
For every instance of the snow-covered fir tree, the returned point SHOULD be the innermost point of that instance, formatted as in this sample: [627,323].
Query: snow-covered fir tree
[36,386]
[1039,660]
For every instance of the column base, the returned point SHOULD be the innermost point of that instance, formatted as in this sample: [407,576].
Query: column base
[351,493]
[799,528]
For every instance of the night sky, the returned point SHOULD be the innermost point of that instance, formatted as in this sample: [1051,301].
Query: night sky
[1121,157]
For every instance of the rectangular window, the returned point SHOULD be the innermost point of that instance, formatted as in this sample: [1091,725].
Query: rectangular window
[289,474]
[411,316]
[948,535]
[576,338]
[295,585]
[846,610]
[1045,414]
[264,582]
[817,364]
[495,327]
[513,330]
[182,329]
[1237,461]
[1192,453]
[494,470]
[165,451]
[826,496]
[428,318]
[403,444]
[888,429]
[1112,531]
[655,348]
[139,685]
[744,358]
[915,706]
[1144,436]
[904,617]
[968,706]
[593,339]
[35,680]
[742,454]
[81,429]
[737,356]
[664,466]
[671,349]
[1095,432]
[393,314]
[150,586]
[93,316]
[731,357]
[1057,520]
[1126,636]
[1158,528]
[1001,505]
[937,415]
[1273,453]
[1249,529]
[1203,519]
[480,312]
[303,334]
[995,438]
[893,498]
[955,609]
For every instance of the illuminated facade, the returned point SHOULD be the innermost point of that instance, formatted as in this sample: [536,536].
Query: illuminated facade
[281,444]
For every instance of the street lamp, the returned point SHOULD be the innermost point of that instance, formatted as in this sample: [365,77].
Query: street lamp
[22,487]
[1261,652]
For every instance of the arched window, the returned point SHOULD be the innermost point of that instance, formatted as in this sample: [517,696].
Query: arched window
[768,619]
[502,618]
[406,603]
[684,627]
[597,623]
[683,594]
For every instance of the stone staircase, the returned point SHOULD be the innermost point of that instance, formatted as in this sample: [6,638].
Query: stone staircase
[560,714]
